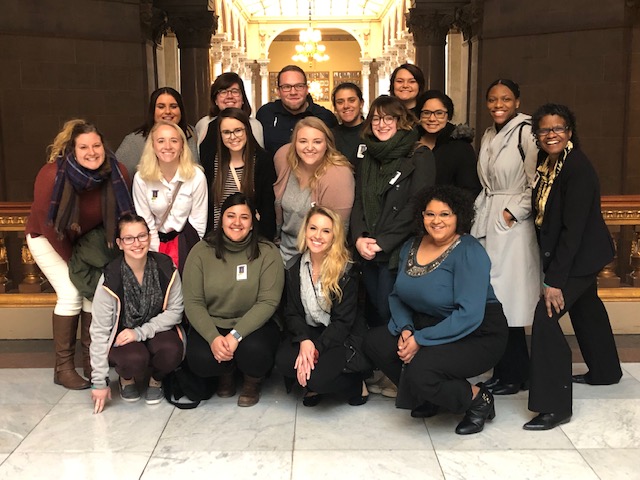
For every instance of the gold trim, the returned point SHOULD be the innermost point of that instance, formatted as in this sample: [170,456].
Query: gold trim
[26,300]
[620,294]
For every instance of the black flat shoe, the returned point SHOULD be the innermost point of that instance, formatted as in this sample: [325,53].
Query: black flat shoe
[482,408]
[312,400]
[492,382]
[358,400]
[582,379]
[509,388]
[547,421]
[426,410]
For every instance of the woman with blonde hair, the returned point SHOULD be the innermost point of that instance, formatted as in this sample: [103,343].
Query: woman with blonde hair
[170,193]
[81,188]
[321,176]
[321,311]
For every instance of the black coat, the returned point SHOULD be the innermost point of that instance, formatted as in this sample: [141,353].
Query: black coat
[344,314]
[574,239]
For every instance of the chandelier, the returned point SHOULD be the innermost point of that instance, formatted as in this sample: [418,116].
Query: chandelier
[310,49]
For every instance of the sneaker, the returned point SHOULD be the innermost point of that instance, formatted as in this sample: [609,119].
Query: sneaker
[388,388]
[129,392]
[154,395]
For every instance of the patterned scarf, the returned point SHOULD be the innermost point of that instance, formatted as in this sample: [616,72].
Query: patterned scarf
[548,172]
[73,179]
[141,302]
[379,165]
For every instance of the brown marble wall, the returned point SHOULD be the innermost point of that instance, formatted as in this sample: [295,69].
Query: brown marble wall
[60,60]
[583,53]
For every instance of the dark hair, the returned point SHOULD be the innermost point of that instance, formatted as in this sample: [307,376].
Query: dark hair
[223,82]
[413,70]
[510,84]
[146,127]
[387,105]
[346,86]
[560,110]
[292,68]
[130,218]
[223,156]
[437,94]
[215,238]
[460,201]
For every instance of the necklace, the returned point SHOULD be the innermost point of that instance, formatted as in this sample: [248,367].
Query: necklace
[414,269]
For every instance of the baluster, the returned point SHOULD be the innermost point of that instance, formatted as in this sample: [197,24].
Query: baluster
[5,283]
[634,276]
[608,278]
[32,281]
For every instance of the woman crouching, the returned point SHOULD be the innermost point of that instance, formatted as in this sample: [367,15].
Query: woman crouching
[446,323]
[137,305]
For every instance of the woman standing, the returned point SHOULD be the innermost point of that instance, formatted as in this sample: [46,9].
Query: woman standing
[451,144]
[575,245]
[137,305]
[407,83]
[165,104]
[504,226]
[82,187]
[241,165]
[232,286]
[310,172]
[389,177]
[321,312]
[170,193]
[348,104]
[446,323]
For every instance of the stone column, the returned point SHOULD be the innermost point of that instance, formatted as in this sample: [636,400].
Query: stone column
[256,86]
[429,28]
[216,53]
[264,80]
[193,30]
[373,80]
[153,25]
[226,55]
[366,69]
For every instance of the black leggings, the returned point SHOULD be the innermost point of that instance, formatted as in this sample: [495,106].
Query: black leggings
[254,356]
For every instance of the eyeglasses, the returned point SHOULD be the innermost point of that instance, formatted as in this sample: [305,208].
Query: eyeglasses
[557,130]
[234,92]
[238,133]
[298,87]
[129,240]
[386,119]
[439,114]
[442,215]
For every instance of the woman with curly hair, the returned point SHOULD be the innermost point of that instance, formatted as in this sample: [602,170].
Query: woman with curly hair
[446,323]
[321,311]
[321,176]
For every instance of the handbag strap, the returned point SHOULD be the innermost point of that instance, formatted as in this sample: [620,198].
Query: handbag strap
[168,210]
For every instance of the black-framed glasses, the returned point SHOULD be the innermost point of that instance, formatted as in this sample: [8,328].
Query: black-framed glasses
[130,240]
[234,92]
[238,133]
[557,130]
[439,114]
[298,87]
[386,119]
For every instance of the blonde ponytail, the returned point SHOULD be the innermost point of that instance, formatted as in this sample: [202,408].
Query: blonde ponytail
[62,139]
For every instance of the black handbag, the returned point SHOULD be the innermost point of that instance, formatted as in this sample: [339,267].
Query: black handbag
[357,361]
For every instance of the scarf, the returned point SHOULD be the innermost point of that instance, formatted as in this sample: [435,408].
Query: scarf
[548,173]
[380,164]
[73,179]
[141,302]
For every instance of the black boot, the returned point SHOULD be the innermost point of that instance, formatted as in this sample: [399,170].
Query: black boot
[482,408]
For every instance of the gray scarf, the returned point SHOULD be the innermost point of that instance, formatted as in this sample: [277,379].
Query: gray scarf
[141,302]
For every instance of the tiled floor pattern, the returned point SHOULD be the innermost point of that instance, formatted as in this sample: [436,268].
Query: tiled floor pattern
[50,433]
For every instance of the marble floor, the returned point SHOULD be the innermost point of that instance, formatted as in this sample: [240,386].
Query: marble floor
[48,432]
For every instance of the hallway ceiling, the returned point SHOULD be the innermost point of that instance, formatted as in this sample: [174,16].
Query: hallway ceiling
[319,8]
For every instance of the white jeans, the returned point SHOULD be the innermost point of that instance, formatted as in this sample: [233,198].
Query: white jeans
[69,302]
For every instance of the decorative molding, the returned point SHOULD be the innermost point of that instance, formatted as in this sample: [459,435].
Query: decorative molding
[193,29]
[429,26]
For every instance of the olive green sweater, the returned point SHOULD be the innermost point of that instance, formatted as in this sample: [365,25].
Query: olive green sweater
[221,294]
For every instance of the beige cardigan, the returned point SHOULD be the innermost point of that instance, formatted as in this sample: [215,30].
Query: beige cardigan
[334,190]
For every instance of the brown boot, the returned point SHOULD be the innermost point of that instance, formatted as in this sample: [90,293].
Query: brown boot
[64,341]
[250,393]
[227,385]
[85,341]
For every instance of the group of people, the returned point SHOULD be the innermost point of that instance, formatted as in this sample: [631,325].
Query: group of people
[241,245]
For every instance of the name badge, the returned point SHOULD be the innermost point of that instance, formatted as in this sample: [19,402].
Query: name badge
[361,149]
[241,272]
[395,178]
[154,195]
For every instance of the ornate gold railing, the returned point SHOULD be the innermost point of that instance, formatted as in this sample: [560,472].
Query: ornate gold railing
[23,285]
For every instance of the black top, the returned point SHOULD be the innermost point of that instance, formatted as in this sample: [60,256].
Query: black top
[350,143]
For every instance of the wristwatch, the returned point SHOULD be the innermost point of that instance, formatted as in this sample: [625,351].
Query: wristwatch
[236,335]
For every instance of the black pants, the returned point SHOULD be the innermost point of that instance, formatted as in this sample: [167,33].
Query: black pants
[254,356]
[438,373]
[327,376]
[378,282]
[513,367]
[551,388]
